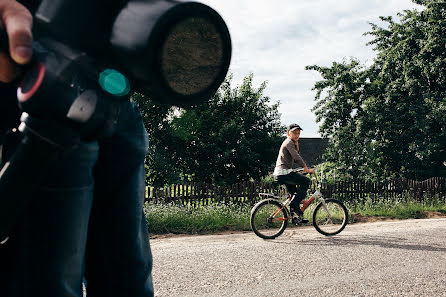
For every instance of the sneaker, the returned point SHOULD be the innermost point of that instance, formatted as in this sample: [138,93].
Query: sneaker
[301,220]
[298,218]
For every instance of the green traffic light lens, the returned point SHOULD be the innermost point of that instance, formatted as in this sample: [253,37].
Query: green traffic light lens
[114,82]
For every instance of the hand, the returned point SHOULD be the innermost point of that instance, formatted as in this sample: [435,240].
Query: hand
[311,171]
[17,20]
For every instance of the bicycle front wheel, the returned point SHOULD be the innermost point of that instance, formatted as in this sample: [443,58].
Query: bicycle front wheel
[330,218]
[269,219]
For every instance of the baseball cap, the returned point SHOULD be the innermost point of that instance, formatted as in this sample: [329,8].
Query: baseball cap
[293,127]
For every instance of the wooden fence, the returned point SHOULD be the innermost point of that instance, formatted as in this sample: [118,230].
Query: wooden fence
[401,187]
[196,194]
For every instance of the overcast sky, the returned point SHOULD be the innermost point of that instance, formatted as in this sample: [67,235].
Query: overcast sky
[275,40]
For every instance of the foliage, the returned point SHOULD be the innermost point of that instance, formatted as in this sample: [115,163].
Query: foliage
[231,138]
[268,179]
[404,207]
[389,119]
[330,172]
[159,161]
[211,218]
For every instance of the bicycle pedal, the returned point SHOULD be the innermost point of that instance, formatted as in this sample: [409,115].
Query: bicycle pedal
[302,221]
[298,220]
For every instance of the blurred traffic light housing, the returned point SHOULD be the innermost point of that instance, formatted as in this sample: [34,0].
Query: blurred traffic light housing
[176,52]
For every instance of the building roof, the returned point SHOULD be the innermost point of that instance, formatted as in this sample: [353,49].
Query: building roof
[313,149]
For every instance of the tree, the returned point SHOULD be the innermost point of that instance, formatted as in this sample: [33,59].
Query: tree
[233,137]
[159,163]
[388,119]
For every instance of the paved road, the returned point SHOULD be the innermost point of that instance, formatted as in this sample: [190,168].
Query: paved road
[397,258]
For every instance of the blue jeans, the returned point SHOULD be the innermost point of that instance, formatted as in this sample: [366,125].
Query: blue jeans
[86,219]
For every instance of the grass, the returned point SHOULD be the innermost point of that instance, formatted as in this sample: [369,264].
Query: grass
[399,208]
[176,219]
[171,218]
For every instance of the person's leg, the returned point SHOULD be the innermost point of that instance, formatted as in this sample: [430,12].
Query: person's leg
[47,246]
[304,184]
[289,183]
[291,189]
[119,260]
[291,180]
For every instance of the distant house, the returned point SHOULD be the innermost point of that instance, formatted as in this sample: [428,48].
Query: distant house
[313,149]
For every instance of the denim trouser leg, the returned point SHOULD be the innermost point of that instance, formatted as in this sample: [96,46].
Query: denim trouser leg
[48,245]
[45,255]
[291,180]
[119,260]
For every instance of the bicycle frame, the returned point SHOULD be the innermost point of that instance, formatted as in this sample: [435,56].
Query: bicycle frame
[305,203]
[329,216]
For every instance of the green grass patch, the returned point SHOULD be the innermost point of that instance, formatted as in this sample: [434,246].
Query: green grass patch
[177,219]
[205,219]
[398,208]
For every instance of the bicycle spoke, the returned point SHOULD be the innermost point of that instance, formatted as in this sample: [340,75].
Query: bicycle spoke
[330,218]
[269,219]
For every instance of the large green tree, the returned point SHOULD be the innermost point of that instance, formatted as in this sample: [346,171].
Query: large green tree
[233,137]
[389,119]
[159,161]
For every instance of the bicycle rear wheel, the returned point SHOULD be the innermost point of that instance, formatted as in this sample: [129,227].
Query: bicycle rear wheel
[330,218]
[269,219]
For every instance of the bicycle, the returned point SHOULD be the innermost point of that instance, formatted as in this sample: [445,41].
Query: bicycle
[270,216]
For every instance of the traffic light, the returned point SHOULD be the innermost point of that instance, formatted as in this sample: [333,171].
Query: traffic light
[176,52]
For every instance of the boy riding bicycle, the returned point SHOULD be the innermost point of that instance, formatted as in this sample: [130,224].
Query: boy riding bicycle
[283,174]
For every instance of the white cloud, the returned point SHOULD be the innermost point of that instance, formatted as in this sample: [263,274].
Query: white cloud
[275,40]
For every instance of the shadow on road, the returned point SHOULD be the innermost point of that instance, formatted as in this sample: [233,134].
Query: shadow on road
[361,240]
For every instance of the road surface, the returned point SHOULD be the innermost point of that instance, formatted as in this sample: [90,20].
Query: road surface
[395,258]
